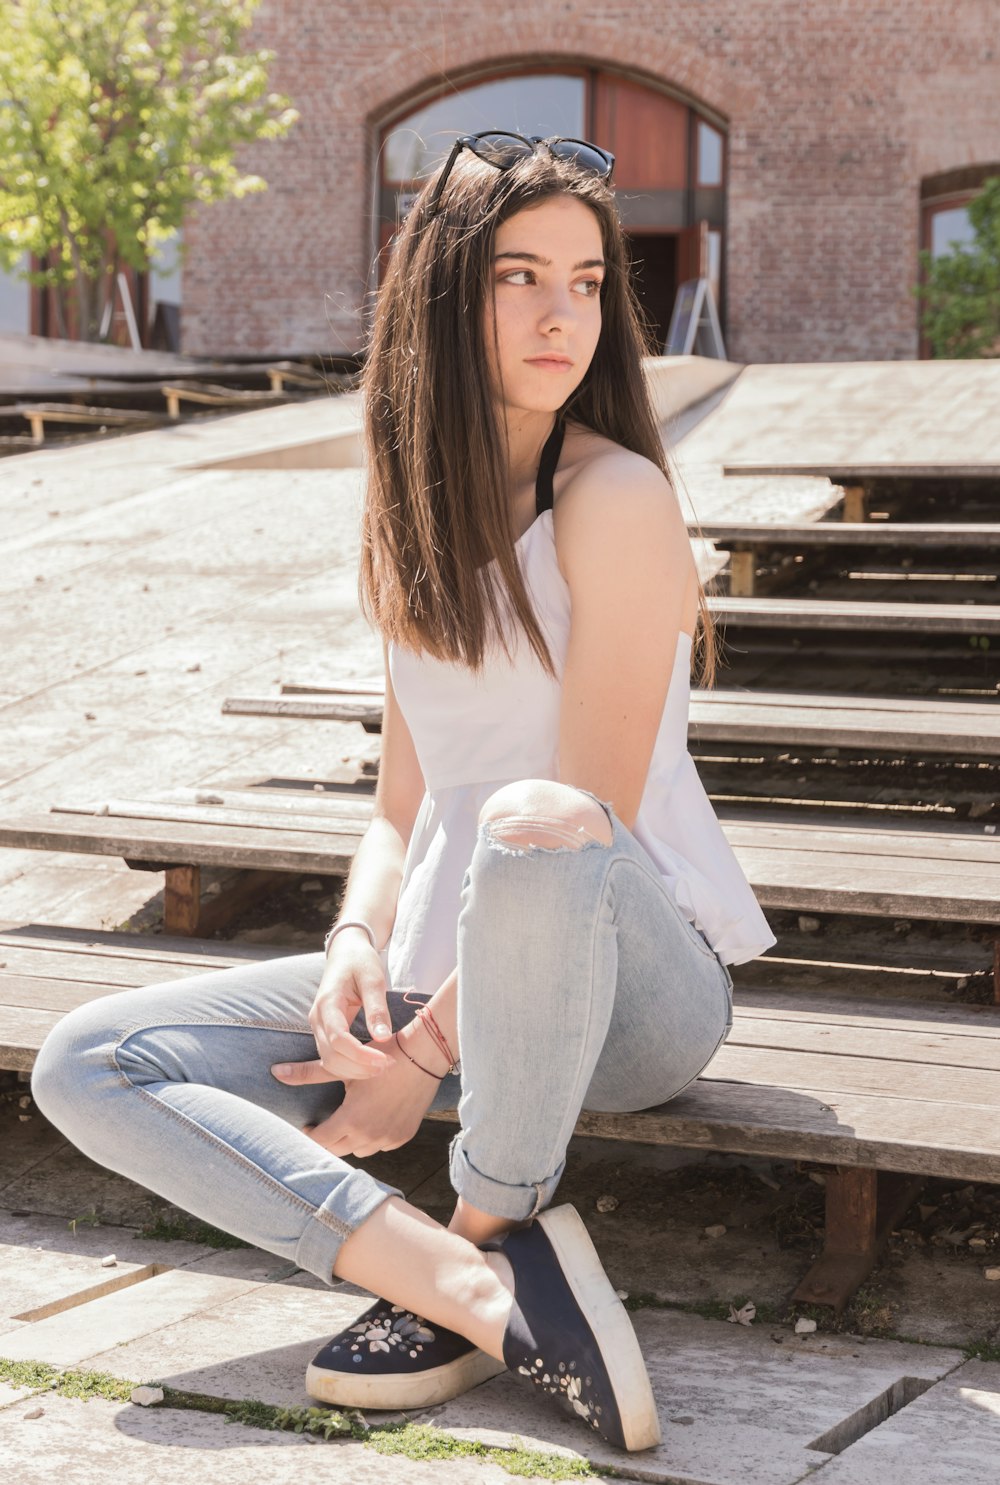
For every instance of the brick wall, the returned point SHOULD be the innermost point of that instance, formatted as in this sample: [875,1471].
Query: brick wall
[836,109]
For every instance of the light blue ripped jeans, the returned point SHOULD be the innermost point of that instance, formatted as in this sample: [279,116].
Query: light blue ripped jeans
[581,985]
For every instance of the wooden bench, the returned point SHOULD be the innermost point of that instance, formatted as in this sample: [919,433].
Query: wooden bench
[40,413]
[856,479]
[949,619]
[207,395]
[747,541]
[883,1096]
[46,971]
[300,375]
[803,866]
[885,724]
[258,834]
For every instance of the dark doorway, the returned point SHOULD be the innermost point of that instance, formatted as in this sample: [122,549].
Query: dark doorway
[654,270]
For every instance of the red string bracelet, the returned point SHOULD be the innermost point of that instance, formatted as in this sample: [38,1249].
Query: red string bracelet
[425,1016]
[415,1062]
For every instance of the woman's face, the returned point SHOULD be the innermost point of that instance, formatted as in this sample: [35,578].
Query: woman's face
[548,268]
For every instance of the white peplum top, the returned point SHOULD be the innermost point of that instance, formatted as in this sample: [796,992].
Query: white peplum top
[473,733]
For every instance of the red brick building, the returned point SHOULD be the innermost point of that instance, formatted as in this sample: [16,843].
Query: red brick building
[797,152]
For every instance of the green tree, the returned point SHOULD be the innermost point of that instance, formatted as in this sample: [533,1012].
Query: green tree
[961,292]
[115,117]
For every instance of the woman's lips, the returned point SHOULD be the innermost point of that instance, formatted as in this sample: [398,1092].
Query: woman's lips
[550,363]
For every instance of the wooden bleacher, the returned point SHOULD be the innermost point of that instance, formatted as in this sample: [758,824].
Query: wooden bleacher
[884,1098]
[884,1094]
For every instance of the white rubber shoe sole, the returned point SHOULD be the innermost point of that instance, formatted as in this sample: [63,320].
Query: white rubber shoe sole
[610,1323]
[387,1393]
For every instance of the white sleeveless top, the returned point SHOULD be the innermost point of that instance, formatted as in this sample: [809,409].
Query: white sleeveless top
[473,733]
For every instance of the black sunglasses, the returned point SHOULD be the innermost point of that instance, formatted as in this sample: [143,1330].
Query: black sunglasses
[502,151]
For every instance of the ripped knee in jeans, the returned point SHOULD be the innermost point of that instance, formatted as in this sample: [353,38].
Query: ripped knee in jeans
[530,815]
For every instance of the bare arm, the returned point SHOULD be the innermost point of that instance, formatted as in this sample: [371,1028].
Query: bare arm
[353,976]
[373,882]
[625,554]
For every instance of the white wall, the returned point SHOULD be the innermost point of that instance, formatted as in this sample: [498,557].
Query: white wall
[15,305]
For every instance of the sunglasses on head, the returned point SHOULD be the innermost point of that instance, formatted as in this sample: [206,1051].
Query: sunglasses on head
[502,151]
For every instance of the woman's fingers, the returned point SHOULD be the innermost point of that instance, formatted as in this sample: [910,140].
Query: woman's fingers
[375,1002]
[352,1143]
[302,1072]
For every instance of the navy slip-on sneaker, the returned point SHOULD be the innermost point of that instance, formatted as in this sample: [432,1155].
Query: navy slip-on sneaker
[570,1334]
[391,1358]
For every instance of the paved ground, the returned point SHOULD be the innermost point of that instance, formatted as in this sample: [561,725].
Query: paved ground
[141,588]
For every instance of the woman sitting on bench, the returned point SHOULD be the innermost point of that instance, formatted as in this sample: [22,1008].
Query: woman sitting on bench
[544,895]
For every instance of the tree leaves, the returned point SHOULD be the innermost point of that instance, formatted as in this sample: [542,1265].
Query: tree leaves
[962,290]
[116,116]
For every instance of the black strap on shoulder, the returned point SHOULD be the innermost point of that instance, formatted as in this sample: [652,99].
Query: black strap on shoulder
[547,467]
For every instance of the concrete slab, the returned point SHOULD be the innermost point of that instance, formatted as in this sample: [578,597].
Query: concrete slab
[256,1344]
[79,1442]
[950,1433]
[72,1336]
[738,1405]
[66,1184]
[10,1395]
[42,1263]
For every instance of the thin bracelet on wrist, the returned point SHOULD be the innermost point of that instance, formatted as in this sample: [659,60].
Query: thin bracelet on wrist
[350,923]
[423,1069]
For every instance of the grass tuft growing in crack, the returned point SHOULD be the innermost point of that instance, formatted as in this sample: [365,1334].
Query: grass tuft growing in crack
[410,1440]
[422,1441]
[40,1377]
[180,1230]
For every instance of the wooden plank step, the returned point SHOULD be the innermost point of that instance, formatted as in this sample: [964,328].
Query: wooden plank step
[845,1129]
[888,872]
[40,975]
[848,473]
[977,535]
[168,842]
[310,707]
[73,412]
[944,875]
[971,729]
[807,613]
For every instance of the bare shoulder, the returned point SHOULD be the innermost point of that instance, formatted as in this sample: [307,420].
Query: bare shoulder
[608,499]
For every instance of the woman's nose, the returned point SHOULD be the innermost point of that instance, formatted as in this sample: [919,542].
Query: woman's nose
[559,311]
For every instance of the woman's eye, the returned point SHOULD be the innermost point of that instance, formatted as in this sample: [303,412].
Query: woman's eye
[519,275]
[589,287]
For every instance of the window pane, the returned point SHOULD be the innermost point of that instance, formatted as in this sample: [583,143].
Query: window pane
[948,227]
[709,155]
[540,104]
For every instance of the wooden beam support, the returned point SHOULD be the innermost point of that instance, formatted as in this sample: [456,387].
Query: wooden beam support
[742,571]
[861,1212]
[188,915]
[181,899]
[855,503]
[996,971]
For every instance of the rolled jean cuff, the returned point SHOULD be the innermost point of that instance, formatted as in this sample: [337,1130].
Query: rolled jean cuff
[349,1205]
[516,1203]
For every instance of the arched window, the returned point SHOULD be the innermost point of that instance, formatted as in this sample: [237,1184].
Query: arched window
[670,171]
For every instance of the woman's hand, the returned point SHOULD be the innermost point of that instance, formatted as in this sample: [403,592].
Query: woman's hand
[353,980]
[378,1113]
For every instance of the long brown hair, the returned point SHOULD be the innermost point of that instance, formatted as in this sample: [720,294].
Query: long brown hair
[437,509]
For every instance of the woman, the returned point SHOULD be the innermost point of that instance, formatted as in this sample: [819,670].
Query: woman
[544,889]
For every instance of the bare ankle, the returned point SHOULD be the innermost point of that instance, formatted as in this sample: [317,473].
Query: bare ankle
[476,1226]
